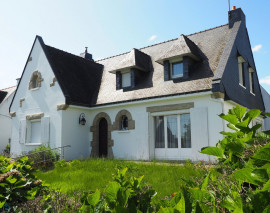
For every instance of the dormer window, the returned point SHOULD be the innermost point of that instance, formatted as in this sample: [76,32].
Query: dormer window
[177,70]
[241,70]
[126,79]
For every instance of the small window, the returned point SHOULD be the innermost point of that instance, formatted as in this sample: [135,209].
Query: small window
[35,81]
[35,133]
[124,123]
[126,80]
[241,69]
[176,70]
[251,80]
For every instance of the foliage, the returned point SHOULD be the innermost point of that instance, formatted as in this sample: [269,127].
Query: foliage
[6,151]
[122,195]
[17,181]
[42,153]
[241,180]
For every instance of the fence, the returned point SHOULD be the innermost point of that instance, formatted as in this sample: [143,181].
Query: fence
[46,155]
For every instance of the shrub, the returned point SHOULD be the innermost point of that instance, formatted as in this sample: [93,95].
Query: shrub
[18,182]
[42,153]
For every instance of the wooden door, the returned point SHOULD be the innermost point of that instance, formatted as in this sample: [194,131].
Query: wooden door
[103,138]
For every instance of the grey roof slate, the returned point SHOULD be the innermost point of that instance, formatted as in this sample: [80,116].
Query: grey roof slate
[211,44]
[134,59]
[183,46]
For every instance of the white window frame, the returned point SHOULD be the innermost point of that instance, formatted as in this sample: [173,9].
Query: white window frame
[241,60]
[165,114]
[251,80]
[175,61]
[29,132]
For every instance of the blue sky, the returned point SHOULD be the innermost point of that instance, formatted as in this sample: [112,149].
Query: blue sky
[110,27]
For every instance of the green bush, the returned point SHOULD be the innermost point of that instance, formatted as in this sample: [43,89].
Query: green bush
[18,182]
[43,152]
[241,180]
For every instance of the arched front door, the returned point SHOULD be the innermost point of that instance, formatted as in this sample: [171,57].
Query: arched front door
[103,137]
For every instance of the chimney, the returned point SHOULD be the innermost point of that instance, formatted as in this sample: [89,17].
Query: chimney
[86,55]
[236,15]
[18,80]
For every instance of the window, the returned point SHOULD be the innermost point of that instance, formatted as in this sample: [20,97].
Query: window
[35,132]
[124,123]
[126,80]
[241,69]
[177,70]
[172,130]
[251,80]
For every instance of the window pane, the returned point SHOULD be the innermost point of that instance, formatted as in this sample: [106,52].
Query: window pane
[126,81]
[177,69]
[35,132]
[185,131]
[172,133]
[159,132]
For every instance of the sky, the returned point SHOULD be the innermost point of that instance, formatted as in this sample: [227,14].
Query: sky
[111,27]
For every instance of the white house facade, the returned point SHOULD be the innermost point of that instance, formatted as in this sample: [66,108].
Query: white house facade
[157,102]
[6,96]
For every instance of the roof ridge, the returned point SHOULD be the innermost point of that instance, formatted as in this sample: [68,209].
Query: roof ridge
[163,42]
[7,88]
[77,56]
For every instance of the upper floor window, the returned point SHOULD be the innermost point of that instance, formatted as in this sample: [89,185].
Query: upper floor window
[251,80]
[126,79]
[241,69]
[177,70]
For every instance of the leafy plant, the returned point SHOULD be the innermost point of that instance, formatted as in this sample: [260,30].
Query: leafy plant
[17,181]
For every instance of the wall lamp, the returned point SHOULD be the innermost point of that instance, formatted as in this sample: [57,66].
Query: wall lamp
[82,120]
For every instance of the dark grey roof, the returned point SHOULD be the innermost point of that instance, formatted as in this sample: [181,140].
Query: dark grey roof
[2,95]
[78,78]
[210,44]
[183,46]
[134,59]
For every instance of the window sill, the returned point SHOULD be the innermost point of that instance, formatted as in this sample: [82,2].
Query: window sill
[123,131]
[35,89]
[242,86]
[33,144]
[252,93]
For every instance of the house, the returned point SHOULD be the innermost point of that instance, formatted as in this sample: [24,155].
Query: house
[6,96]
[157,102]
[266,100]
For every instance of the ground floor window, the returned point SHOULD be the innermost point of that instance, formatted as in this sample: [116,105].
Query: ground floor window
[172,131]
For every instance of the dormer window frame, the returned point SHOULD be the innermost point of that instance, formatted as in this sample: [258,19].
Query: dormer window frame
[174,61]
[241,71]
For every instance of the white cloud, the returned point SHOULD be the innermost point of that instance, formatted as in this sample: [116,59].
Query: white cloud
[265,80]
[153,37]
[256,48]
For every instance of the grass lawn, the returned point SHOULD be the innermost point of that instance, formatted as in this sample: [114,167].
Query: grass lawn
[95,174]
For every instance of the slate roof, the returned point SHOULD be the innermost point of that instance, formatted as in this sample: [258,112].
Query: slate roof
[183,46]
[2,96]
[134,59]
[210,43]
[78,78]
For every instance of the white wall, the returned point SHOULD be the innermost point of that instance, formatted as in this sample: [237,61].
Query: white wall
[76,135]
[266,100]
[42,100]
[138,144]
[5,120]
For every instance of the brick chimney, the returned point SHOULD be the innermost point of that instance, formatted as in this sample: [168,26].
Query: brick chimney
[86,55]
[236,15]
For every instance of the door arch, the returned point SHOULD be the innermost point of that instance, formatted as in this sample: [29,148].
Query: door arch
[95,133]
[103,138]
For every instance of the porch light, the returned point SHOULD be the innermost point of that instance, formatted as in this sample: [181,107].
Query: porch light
[82,120]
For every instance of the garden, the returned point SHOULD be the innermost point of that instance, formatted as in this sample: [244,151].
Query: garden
[238,182]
